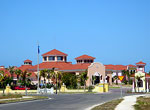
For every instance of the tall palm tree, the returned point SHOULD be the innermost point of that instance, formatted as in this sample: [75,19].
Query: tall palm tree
[18,72]
[43,73]
[126,73]
[59,76]
[11,71]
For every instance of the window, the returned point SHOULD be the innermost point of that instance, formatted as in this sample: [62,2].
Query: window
[91,61]
[45,58]
[51,58]
[59,58]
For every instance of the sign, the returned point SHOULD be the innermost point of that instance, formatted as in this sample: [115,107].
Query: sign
[120,78]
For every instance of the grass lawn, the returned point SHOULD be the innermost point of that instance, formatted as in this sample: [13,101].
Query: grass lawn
[142,103]
[114,87]
[10,96]
[108,105]
[18,98]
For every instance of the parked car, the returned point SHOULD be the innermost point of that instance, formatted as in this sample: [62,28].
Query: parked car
[21,88]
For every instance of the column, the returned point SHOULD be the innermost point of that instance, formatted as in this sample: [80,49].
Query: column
[56,58]
[63,58]
[47,58]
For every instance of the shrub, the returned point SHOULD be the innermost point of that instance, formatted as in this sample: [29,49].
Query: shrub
[90,88]
[125,81]
[70,80]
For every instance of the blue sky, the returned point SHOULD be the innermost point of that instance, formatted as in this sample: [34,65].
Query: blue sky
[113,31]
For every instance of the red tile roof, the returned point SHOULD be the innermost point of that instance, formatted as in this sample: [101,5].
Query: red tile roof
[54,52]
[140,63]
[25,67]
[50,65]
[85,57]
[61,66]
[28,60]
[147,75]
[131,65]
[79,66]
[116,67]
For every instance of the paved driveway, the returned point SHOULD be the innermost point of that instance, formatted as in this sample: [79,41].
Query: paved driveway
[65,102]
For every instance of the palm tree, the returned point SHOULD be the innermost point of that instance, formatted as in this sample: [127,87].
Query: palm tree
[84,77]
[2,79]
[11,70]
[126,73]
[59,76]
[93,79]
[116,78]
[18,72]
[25,75]
[43,73]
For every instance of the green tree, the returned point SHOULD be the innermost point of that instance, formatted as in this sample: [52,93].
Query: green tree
[25,77]
[4,80]
[126,73]
[18,72]
[59,77]
[70,80]
[116,78]
[93,79]
[84,77]
[11,71]
[43,73]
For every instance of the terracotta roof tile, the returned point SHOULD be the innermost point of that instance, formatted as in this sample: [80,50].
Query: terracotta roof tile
[116,67]
[27,60]
[131,65]
[84,57]
[54,52]
[140,63]
[25,67]
[61,66]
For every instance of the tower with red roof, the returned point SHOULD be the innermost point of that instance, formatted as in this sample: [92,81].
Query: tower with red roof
[54,56]
[27,62]
[141,66]
[85,59]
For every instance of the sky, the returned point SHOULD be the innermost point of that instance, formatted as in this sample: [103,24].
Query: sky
[113,31]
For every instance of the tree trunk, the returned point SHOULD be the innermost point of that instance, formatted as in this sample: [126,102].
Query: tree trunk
[117,78]
[59,86]
[56,85]
[3,90]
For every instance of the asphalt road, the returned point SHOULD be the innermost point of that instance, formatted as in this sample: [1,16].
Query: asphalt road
[65,101]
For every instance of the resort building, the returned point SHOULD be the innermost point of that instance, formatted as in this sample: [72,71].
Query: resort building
[97,72]
[58,60]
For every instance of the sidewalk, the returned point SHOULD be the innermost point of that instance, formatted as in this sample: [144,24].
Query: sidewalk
[128,102]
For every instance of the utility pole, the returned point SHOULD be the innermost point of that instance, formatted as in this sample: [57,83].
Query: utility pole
[38,68]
